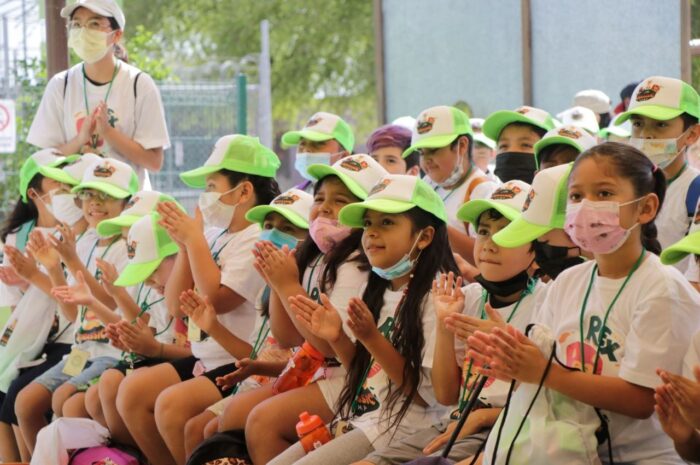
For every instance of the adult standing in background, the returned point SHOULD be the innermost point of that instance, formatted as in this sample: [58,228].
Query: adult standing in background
[102,105]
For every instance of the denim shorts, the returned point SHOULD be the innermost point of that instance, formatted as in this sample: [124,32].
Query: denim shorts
[55,377]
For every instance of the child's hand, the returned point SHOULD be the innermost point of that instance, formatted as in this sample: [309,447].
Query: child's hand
[42,250]
[9,276]
[181,227]
[672,422]
[466,269]
[112,332]
[78,294]
[464,326]
[361,321]
[472,425]
[276,266]
[108,274]
[65,246]
[198,308]
[246,368]
[507,354]
[447,295]
[685,394]
[138,337]
[24,266]
[323,321]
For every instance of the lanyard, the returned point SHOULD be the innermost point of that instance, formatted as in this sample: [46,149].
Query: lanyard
[607,312]
[685,165]
[83,309]
[311,275]
[215,255]
[109,90]
[23,235]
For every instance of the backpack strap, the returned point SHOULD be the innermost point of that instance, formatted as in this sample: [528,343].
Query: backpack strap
[136,81]
[65,83]
[468,194]
[692,196]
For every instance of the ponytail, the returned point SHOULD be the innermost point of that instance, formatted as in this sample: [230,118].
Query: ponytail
[650,239]
[23,212]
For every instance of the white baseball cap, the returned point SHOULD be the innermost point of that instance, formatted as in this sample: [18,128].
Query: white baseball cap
[622,130]
[479,136]
[508,200]
[322,126]
[580,116]
[107,8]
[596,100]
[497,121]
[294,204]
[438,127]
[358,172]
[408,122]
[662,98]
[543,210]
[140,204]
[113,177]
[571,135]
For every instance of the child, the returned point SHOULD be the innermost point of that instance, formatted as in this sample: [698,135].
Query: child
[561,146]
[506,295]
[387,144]
[484,152]
[516,133]
[581,117]
[609,316]
[664,113]
[598,102]
[329,263]
[325,139]
[542,224]
[388,392]
[238,175]
[443,136]
[104,190]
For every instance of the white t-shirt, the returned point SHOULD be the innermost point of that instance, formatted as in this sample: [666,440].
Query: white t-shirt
[150,301]
[375,421]
[692,274]
[9,295]
[233,254]
[62,112]
[673,221]
[650,327]
[454,198]
[692,357]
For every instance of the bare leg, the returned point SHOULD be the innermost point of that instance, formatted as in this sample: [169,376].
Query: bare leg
[195,430]
[93,406]
[30,407]
[239,406]
[60,396]
[9,452]
[23,451]
[108,387]
[74,406]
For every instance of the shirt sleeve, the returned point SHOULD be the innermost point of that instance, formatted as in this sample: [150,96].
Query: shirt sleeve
[350,282]
[151,130]
[692,357]
[47,128]
[692,274]
[237,270]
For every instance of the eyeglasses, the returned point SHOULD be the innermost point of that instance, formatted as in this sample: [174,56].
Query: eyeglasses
[91,195]
[93,24]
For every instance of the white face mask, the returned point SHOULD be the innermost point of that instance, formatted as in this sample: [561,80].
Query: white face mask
[90,45]
[306,159]
[455,176]
[64,209]
[216,213]
[661,152]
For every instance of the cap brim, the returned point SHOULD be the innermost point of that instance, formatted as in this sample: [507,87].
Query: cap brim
[108,189]
[197,178]
[471,210]
[435,142]
[57,174]
[319,172]
[494,124]
[553,140]
[650,111]
[292,138]
[113,226]
[688,245]
[136,273]
[258,214]
[519,232]
[482,139]
[353,215]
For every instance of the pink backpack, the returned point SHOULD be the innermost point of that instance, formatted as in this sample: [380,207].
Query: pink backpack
[102,455]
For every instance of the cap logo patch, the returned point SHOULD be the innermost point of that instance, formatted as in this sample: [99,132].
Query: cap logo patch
[380,186]
[528,200]
[647,92]
[507,192]
[570,133]
[313,121]
[353,165]
[425,125]
[104,171]
[522,110]
[286,199]
[131,249]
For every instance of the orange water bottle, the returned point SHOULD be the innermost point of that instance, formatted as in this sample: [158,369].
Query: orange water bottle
[300,369]
[312,432]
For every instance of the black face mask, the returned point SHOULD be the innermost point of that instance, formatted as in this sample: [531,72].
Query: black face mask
[553,259]
[505,288]
[515,165]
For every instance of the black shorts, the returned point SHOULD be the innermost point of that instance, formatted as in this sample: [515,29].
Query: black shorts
[122,366]
[184,367]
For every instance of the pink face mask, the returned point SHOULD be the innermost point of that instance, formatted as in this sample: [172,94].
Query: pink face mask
[327,233]
[595,226]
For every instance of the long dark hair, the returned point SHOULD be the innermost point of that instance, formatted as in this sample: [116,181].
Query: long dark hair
[408,338]
[266,189]
[646,178]
[22,212]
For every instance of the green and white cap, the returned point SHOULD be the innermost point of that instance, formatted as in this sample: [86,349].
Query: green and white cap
[235,152]
[72,172]
[147,245]
[395,193]
[508,200]
[580,116]
[140,204]
[358,172]
[438,127]
[690,244]
[322,126]
[544,209]
[477,125]
[623,130]
[497,121]
[571,135]
[294,204]
[113,177]
[662,98]
[38,163]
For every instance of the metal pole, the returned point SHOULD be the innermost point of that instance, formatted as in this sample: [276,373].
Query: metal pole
[6,50]
[265,87]
[24,34]
[56,40]
[242,104]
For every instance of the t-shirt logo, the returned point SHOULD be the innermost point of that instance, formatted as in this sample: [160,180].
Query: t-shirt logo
[286,199]
[570,133]
[352,164]
[506,192]
[647,92]
[131,249]
[528,200]
[105,170]
[380,186]
[313,121]
[425,125]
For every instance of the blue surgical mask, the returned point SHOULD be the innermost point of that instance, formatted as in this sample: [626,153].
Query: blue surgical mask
[401,268]
[278,238]
[306,159]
